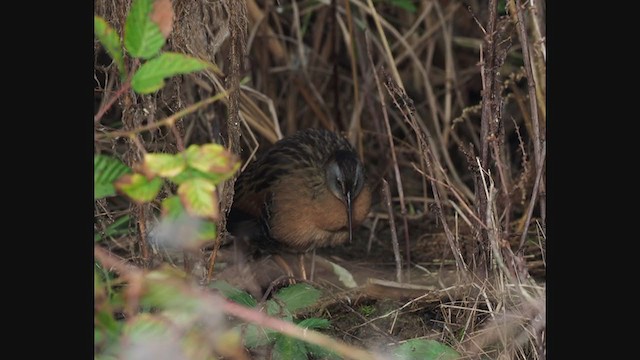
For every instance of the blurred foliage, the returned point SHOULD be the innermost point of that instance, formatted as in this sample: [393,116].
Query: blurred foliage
[284,304]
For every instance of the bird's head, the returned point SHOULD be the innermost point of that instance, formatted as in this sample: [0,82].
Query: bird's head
[345,178]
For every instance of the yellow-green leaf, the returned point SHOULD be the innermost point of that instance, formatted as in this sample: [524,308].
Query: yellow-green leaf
[142,36]
[165,165]
[110,39]
[212,158]
[138,187]
[199,197]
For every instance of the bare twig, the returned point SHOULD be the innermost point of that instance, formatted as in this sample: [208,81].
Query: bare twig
[532,202]
[168,121]
[392,224]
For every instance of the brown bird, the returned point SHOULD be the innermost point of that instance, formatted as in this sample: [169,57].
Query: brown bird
[305,192]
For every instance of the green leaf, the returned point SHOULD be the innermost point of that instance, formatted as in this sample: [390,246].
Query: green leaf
[419,349]
[406,5]
[255,336]
[165,165]
[234,294]
[277,310]
[110,39]
[106,170]
[150,77]
[199,197]
[105,321]
[314,323]
[172,208]
[138,187]
[190,173]
[298,296]
[142,36]
[212,158]
[287,348]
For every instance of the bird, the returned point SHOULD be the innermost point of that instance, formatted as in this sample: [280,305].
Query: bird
[307,191]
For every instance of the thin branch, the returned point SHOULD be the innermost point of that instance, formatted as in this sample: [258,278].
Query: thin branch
[532,202]
[168,121]
[392,224]
[103,110]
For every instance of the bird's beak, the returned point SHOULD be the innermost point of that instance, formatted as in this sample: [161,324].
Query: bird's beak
[349,215]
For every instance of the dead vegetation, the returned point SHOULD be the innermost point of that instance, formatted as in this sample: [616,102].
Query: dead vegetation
[444,104]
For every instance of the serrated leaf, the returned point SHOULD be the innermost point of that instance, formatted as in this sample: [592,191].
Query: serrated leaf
[199,197]
[287,348]
[142,36]
[212,158]
[138,187]
[255,336]
[234,294]
[162,14]
[165,165]
[150,77]
[419,349]
[314,323]
[298,296]
[106,170]
[110,39]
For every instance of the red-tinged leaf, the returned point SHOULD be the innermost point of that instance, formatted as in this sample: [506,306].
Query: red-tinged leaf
[162,14]
[212,158]
[138,187]
[165,165]
[199,197]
